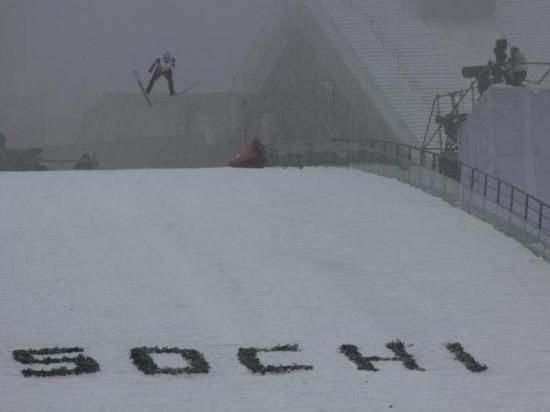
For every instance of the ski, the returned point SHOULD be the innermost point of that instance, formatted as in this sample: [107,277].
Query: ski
[142,88]
[187,89]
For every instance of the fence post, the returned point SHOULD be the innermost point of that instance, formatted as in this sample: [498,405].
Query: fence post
[288,155]
[526,206]
[397,152]
[373,158]
[540,215]
[498,192]
[472,179]
[512,199]
[439,128]
[485,185]
[433,161]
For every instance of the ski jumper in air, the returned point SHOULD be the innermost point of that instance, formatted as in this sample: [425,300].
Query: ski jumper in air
[163,67]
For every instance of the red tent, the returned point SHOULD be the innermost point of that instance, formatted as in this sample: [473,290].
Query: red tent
[253,155]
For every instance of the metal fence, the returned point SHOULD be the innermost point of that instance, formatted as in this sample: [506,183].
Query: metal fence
[531,212]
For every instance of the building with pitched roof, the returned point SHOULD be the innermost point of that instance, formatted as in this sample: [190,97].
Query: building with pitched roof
[192,130]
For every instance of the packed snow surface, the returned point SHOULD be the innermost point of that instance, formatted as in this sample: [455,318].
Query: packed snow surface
[218,260]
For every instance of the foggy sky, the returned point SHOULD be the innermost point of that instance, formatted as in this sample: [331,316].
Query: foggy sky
[66,53]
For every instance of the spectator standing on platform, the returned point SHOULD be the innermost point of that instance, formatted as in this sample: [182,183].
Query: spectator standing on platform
[517,67]
[499,69]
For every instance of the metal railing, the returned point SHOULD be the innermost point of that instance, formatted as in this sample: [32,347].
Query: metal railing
[524,207]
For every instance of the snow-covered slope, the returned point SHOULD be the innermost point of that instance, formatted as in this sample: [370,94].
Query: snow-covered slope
[221,261]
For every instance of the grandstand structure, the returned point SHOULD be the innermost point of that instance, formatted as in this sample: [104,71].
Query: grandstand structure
[366,69]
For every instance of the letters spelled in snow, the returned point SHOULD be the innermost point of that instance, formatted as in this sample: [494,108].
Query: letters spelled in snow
[249,357]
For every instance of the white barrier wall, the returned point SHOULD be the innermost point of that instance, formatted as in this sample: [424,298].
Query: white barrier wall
[508,136]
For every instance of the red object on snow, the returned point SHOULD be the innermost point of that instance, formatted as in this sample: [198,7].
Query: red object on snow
[253,156]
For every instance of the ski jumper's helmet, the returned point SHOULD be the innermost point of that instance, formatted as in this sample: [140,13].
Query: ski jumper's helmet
[167,57]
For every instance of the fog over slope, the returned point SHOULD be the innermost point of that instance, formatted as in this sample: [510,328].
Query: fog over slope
[58,56]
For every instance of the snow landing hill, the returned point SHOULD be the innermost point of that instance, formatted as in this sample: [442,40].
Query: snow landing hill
[192,290]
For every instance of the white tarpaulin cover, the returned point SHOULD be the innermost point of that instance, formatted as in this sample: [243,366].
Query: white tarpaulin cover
[508,136]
